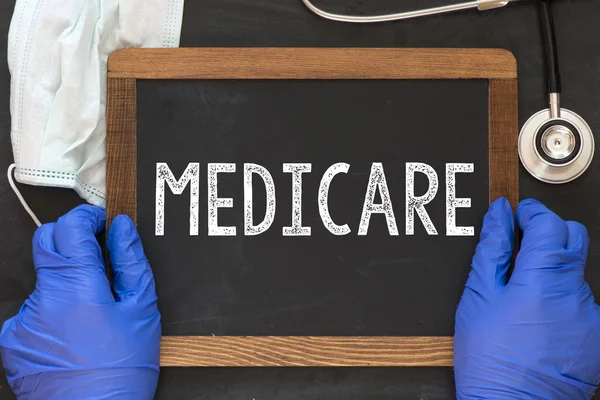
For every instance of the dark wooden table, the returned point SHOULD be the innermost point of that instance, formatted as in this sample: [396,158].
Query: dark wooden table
[287,23]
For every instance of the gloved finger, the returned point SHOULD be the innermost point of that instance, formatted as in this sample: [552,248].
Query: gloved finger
[132,274]
[579,239]
[60,277]
[44,255]
[578,245]
[545,260]
[541,227]
[494,252]
[75,235]
[44,250]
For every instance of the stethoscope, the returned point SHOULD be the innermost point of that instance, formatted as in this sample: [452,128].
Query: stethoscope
[555,145]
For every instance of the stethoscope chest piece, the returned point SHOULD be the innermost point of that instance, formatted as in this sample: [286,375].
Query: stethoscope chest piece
[556,150]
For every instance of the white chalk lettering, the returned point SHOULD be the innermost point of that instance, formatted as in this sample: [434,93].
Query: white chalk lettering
[296,229]
[324,198]
[190,175]
[452,203]
[249,228]
[376,188]
[417,203]
[377,182]
[214,202]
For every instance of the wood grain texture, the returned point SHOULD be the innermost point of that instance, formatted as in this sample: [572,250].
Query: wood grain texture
[504,134]
[320,351]
[121,148]
[312,63]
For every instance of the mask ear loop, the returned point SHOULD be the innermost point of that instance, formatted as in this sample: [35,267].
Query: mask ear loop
[20,196]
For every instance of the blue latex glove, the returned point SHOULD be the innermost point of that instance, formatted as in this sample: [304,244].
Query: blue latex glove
[536,336]
[74,339]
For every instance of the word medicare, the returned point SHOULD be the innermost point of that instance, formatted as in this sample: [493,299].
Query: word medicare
[377,184]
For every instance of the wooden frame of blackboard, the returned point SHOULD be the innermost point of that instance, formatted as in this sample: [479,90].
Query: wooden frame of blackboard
[126,66]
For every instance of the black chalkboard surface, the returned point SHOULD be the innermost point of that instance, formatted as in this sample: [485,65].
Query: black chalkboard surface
[322,284]
[309,204]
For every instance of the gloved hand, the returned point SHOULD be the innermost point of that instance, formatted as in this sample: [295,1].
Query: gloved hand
[537,335]
[74,339]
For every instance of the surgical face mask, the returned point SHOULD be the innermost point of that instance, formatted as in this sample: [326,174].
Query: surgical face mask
[57,54]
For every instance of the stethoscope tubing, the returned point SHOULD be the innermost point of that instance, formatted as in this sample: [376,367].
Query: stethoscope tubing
[549,36]
[389,17]
[482,5]
[545,10]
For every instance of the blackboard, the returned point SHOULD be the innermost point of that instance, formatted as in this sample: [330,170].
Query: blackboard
[383,294]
